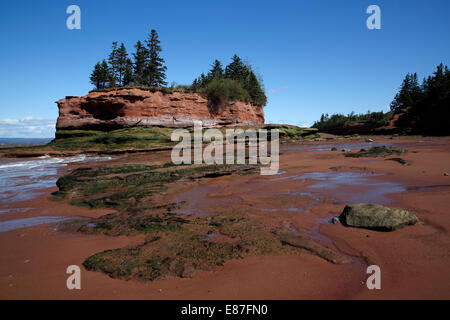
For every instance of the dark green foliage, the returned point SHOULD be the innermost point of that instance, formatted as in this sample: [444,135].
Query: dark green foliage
[128,75]
[155,68]
[147,69]
[399,160]
[381,151]
[236,70]
[140,62]
[100,76]
[219,91]
[409,92]
[330,123]
[216,71]
[120,66]
[218,83]
[418,109]
[425,108]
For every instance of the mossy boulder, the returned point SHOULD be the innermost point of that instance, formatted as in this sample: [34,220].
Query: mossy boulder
[376,217]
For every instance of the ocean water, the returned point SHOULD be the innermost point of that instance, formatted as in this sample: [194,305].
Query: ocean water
[22,180]
[15,142]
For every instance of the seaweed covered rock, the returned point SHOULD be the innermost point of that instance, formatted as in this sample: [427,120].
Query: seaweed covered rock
[376,217]
[378,151]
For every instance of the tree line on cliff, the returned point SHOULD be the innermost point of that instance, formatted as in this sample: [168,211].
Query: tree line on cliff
[147,69]
[238,81]
[419,108]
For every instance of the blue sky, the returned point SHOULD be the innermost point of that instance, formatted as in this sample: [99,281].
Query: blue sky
[314,56]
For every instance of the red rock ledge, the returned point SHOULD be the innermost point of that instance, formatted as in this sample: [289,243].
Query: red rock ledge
[137,107]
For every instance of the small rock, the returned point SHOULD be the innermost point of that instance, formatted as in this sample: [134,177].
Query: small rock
[446,174]
[369,140]
[245,246]
[132,201]
[316,139]
[335,220]
[188,270]
[333,149]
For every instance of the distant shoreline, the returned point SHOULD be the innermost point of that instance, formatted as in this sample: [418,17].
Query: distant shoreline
[21,142]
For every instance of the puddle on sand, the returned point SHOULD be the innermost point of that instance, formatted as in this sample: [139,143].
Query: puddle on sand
[339,146]
[203,200]
[29,222]
[349,187]
[15,210]
[286,209]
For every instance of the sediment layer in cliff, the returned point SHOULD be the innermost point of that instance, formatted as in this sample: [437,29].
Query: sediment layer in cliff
[129,107]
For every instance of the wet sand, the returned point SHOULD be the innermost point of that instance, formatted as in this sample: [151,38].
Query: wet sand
[315,185]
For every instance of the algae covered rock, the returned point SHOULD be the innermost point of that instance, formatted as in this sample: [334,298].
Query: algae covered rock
[376,217]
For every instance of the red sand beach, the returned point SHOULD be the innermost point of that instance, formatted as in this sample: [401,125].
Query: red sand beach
[313,187]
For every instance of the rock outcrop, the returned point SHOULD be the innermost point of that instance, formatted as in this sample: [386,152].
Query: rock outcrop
[376,217]
[128,107]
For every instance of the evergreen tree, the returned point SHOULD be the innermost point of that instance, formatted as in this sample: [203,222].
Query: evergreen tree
[236,70]
[105,75]
[118,64]
[408,95]
[128,75]
[96,76]
[216,71]
[155,71]
[113,60]
[100,76]
[140,63]
[122,59]
[255,90]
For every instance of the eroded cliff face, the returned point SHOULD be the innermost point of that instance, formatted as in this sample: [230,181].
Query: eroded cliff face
[137,107]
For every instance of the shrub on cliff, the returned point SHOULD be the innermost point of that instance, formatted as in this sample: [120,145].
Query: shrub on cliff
[220,91]
[237,71]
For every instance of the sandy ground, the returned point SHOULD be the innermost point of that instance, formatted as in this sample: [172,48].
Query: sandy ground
[414,261]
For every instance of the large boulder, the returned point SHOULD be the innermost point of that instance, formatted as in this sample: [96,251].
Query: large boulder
[376,217]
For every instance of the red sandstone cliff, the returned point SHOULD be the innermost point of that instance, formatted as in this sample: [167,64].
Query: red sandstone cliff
[137,107]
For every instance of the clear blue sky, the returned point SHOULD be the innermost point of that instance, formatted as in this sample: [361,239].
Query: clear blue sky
[314,56]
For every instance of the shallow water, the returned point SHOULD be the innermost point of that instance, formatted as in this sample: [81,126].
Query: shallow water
[29,222]
[22,180]
[339,146]
[349,187]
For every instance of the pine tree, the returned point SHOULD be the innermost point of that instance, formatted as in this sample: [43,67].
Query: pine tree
[216,71]
[408,95]
[96,76]
[105,75]
[236,70]
[100,76]
[128,74]
[255,90]
[155,71]
[140,63]
[113,60]
[122,58]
